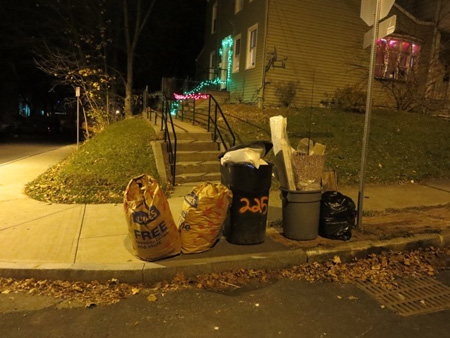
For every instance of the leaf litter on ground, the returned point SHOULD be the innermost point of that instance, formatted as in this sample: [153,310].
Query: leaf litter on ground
[382,269]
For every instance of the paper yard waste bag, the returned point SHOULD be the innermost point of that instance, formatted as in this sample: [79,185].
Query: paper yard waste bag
[204,212]
[151,227]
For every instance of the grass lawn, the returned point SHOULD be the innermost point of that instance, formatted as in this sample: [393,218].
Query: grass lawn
[101,169]
[402,146]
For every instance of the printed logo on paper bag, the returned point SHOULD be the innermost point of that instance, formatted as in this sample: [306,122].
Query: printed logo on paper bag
[192,200]
[144,218]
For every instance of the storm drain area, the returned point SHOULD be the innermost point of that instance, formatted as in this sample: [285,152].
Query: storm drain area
[411,296]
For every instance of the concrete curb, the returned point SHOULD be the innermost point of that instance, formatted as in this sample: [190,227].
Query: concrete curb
[151,272]
[349,251]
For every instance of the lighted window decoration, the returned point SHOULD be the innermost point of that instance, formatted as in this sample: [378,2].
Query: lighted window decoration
[396,58]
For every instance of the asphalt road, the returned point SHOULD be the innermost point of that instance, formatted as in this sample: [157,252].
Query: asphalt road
[11,151]
[280,309]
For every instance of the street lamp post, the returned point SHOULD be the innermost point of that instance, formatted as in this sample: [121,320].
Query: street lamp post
[77,94]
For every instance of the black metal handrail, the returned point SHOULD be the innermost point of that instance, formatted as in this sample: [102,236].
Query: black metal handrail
[171,149]
[214,121]
[211,120]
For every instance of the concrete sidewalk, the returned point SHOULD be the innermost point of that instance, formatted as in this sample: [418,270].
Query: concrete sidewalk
[88,242]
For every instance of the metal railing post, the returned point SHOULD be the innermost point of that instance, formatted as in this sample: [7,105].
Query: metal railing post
[182,110]
[215,123]
[193,114]
[209,111]
[162,113]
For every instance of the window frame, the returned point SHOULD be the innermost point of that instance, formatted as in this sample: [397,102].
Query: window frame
[214,17]
[237,56]
[238,6]
[251,51]
[212,64]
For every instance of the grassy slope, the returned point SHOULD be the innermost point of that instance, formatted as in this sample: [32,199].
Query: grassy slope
[403,146]
[101,169]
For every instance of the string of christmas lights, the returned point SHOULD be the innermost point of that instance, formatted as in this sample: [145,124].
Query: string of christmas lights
[197,96]
[227,43]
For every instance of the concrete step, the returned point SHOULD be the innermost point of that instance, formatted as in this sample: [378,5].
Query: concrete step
[192,145]
[197,167]
[198,177]
[185,156]
[192,136]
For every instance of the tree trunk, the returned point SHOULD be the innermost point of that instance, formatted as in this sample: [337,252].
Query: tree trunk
[129,87]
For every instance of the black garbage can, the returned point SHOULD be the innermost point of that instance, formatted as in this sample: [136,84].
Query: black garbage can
[301,214]
[247,219]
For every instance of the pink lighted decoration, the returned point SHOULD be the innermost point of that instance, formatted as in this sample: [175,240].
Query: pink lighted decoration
[190,96]
[393,42]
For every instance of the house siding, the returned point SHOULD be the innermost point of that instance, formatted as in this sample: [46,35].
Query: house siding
[244,83]
[322,40]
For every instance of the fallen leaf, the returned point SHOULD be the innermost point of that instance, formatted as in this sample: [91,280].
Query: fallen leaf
[353,298]
[337,260]
[135,290]
[152,298]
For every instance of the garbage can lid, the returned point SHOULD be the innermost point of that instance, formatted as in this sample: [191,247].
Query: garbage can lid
[266,145]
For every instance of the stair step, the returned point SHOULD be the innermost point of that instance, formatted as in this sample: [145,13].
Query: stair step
[197,167]
[198,177]
[183,156]
[188,145]
[192,136]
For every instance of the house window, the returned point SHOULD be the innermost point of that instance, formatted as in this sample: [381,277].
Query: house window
[236,52]
[212,65]
[214,18]
[396,58]
[252,36]
[238,5]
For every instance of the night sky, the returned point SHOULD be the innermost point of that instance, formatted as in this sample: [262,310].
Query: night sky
[168,46]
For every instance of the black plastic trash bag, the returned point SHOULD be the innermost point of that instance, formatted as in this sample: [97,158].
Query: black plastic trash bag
[337,216]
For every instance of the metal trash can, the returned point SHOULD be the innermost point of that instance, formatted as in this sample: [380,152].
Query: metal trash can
[247,219]
[301,213]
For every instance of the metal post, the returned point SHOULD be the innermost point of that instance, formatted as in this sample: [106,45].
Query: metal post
[78,122]
[209,111]
[77,94]
[182,110]
[193,114]
[215,123]
[368,113]
[163,112]
[144,99]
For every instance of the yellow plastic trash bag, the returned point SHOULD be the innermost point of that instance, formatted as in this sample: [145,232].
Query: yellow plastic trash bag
[204,212]
[151,227]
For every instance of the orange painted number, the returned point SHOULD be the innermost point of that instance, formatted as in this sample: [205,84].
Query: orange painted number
[259,206]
